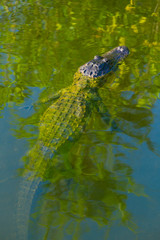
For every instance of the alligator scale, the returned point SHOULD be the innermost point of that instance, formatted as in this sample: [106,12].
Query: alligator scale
[63,122]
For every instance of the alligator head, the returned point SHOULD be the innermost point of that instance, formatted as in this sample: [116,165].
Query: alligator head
[102,65]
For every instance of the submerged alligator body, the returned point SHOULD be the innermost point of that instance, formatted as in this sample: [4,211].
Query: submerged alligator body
[61,123]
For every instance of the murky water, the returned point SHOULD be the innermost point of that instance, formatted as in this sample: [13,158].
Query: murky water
[106,185]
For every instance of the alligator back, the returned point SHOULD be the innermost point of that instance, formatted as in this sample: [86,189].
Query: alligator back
[60,124]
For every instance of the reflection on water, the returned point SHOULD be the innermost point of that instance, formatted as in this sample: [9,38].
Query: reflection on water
[95,185]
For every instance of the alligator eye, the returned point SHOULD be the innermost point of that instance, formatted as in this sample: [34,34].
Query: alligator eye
[97,57]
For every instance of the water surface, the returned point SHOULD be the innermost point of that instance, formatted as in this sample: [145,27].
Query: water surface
[108,187]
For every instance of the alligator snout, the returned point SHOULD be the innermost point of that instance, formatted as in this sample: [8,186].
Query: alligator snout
[102,65]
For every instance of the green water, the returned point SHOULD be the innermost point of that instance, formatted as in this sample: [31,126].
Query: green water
[110,184]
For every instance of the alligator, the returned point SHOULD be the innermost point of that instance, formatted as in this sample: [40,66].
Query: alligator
[62,123]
